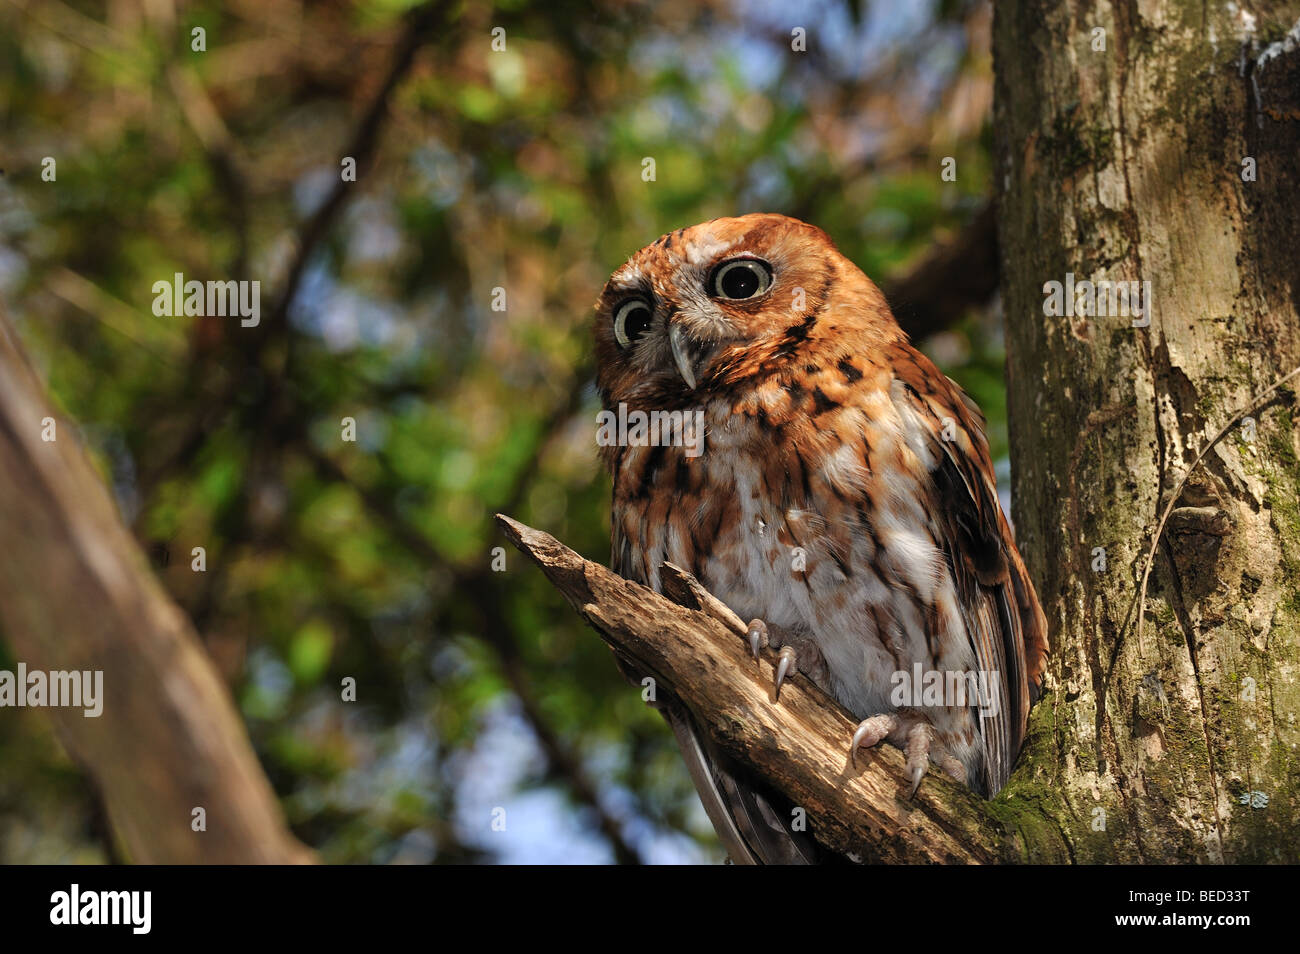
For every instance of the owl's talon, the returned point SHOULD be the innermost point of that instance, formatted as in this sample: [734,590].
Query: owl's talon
[757,636]
[785,663]
[917,737]
[918,755]
[917,772]
[869,733]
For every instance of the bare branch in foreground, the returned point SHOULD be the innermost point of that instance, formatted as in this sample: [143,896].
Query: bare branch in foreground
[800,746]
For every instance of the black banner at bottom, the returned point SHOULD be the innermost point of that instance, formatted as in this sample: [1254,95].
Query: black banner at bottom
[336,904]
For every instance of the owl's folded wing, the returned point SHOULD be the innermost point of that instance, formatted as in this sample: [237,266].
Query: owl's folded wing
[1004,622]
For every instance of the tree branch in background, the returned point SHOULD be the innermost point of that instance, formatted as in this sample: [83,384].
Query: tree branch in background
[218,385]
[952,278]
[365,141]
[800,745]
[198,422]
[76,595]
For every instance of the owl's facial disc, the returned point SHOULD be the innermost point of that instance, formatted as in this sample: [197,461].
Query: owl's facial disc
[681,310]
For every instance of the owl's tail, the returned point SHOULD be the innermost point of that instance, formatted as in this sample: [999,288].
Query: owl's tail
[752,820]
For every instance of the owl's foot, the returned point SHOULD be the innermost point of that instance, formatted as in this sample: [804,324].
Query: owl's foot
[914,736]
[796,654]
[870,733]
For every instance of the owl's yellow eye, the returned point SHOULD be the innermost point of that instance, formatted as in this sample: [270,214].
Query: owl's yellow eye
[740,278]
[631,321]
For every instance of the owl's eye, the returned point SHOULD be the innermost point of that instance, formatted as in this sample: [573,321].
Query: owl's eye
[740,278]
[631,320]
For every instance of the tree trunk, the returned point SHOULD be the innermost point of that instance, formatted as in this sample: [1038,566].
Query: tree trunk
[77,596]
[1175,742]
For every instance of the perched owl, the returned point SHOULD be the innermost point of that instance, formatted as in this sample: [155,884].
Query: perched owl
[840,495]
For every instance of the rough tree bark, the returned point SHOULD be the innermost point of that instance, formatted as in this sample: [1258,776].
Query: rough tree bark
[77,594]
[1130,163]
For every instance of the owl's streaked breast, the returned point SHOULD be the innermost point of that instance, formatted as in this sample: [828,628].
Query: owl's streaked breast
[817,525]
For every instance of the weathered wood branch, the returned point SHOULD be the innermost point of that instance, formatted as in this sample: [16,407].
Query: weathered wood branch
[800,745]
[76,594]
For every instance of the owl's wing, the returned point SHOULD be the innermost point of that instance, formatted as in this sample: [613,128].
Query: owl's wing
[746,813]
[1006,626]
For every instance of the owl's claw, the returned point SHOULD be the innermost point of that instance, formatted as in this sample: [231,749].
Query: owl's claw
[796,652]
[869,733]
[918,755]
[785,663]
[917,746]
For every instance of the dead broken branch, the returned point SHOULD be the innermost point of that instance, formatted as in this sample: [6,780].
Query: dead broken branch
[695,648]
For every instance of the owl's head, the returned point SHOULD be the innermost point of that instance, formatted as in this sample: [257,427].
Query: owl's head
[706,306]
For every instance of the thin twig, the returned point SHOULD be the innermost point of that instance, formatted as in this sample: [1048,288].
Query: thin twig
[362,147]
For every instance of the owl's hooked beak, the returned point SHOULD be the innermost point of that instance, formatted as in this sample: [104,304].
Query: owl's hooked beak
[681,348]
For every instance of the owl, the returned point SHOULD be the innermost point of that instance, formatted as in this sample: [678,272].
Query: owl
[819,476]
